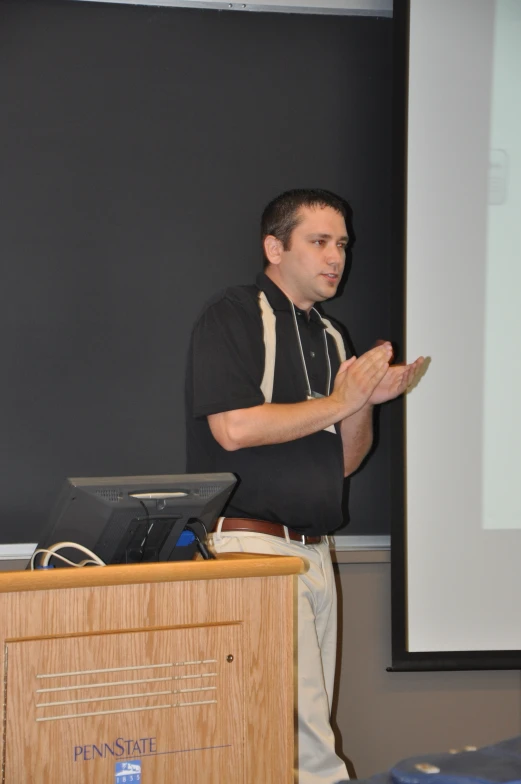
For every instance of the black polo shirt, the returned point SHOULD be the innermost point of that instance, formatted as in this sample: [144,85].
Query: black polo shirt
[298,483]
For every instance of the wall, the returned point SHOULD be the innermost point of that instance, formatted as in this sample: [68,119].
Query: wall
[141,146]
[384,716]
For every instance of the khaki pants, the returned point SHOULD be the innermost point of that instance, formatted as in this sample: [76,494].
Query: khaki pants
[318,762]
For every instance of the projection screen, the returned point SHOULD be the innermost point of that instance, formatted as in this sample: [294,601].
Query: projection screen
[457,570]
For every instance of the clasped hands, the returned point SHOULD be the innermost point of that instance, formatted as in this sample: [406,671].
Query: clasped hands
[371,379]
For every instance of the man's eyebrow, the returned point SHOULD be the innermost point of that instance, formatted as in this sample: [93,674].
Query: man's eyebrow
[321,236]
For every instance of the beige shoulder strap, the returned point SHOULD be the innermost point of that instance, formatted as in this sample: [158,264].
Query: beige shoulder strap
[270,342]
[337,337]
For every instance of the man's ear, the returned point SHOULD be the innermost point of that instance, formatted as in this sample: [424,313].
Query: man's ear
[273,249]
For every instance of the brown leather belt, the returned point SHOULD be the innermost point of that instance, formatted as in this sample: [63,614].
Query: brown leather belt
[265,527]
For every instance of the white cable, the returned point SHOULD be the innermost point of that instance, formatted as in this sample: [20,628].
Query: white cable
[61,558]
[52,551]
[75,546]
[37,552]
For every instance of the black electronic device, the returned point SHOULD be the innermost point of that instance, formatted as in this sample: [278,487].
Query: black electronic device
[136,519]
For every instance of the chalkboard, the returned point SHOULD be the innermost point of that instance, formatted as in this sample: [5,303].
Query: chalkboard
[139,146]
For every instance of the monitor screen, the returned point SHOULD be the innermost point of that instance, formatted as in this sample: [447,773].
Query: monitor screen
[136,519]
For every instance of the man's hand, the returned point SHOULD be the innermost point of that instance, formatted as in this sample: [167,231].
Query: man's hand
[396,381]
[358,379]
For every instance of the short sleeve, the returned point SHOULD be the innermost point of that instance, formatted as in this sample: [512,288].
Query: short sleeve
[227,358]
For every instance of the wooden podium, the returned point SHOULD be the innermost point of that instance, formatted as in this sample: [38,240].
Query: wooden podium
[175,672]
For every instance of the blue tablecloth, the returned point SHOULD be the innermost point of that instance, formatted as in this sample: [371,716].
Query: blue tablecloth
[497,764]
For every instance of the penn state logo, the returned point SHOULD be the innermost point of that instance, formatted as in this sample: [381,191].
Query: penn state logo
[128,772]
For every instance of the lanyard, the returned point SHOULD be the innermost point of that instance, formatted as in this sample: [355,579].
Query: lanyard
[310,393]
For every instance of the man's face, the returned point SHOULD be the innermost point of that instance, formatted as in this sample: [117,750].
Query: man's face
[311,269]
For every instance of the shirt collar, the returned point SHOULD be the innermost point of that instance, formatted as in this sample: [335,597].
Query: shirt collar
[279,301]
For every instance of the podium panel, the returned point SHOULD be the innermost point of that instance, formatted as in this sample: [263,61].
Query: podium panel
[169,703]
[179,672]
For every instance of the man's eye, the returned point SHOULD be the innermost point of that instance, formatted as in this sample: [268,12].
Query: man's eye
[319,242]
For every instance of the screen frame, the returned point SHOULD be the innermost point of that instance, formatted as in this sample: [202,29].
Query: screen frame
[404,660]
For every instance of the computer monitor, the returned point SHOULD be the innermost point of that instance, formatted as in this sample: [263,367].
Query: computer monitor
[135,519]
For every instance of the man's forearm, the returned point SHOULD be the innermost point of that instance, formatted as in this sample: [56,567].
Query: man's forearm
[274,423]
[277,423]
[357,437]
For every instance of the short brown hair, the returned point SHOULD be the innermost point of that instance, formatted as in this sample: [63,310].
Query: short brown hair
[280,217]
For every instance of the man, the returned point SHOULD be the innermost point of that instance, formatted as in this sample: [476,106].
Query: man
[271,398]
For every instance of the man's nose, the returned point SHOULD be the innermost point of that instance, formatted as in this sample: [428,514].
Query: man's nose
[336,255]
